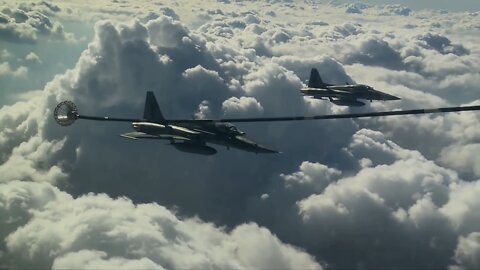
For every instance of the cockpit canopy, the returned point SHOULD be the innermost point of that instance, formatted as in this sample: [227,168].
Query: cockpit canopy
[366,87]
[229,128]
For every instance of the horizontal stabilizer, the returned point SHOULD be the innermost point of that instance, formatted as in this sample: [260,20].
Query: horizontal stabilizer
[129,136]
[347,102]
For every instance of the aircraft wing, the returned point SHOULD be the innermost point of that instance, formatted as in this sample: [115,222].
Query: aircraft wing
[347,88]
[140,135]
[326,93]
[186,130]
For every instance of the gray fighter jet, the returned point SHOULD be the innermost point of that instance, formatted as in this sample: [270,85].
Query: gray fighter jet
[189,136]
[343,95]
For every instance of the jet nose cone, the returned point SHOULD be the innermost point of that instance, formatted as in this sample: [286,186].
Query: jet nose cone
[264,150]
[251,146]
[390,97]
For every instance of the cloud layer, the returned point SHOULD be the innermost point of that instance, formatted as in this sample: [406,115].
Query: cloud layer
[387,192]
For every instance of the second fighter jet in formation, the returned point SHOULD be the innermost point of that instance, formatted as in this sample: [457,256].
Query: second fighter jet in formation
[343,95]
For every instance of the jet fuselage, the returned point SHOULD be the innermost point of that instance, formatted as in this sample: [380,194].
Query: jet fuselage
[192,137]
[345,95]
[358,91]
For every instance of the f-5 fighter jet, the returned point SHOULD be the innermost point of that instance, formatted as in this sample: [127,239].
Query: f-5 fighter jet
[343,95]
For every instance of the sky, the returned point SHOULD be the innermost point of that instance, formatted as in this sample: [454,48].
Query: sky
[396,192]
[455,6]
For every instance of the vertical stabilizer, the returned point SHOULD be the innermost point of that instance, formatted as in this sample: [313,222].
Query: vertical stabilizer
[315,81]
[152,111]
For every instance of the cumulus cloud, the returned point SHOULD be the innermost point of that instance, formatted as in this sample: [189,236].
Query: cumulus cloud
[382,210]
[314,176]
[59,231]
[356,8]
[6,70]
[238,107]
[405,209]
[88,259]
[396,10]
[463,158]
[33,58]
[467,252]
[443,44]
[23,146]
[376,52]
[26,22]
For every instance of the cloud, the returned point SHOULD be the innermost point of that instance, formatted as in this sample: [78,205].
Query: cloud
[463,158]
[26,22]
[395,208]
[6,70]
[382,210]
[443,44]
[88,259]
[44,7]
[59,231]
[342,31]
[24,148]
[396,10]
[33,58]
[375,52]
[241,107]
[5,54]
[467,252]
[373,146]
[453,133]
[170,13]
[353,10]
[314,176]
[356,8]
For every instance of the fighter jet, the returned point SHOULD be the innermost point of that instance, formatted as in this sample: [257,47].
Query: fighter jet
[189,136]
[343,95]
